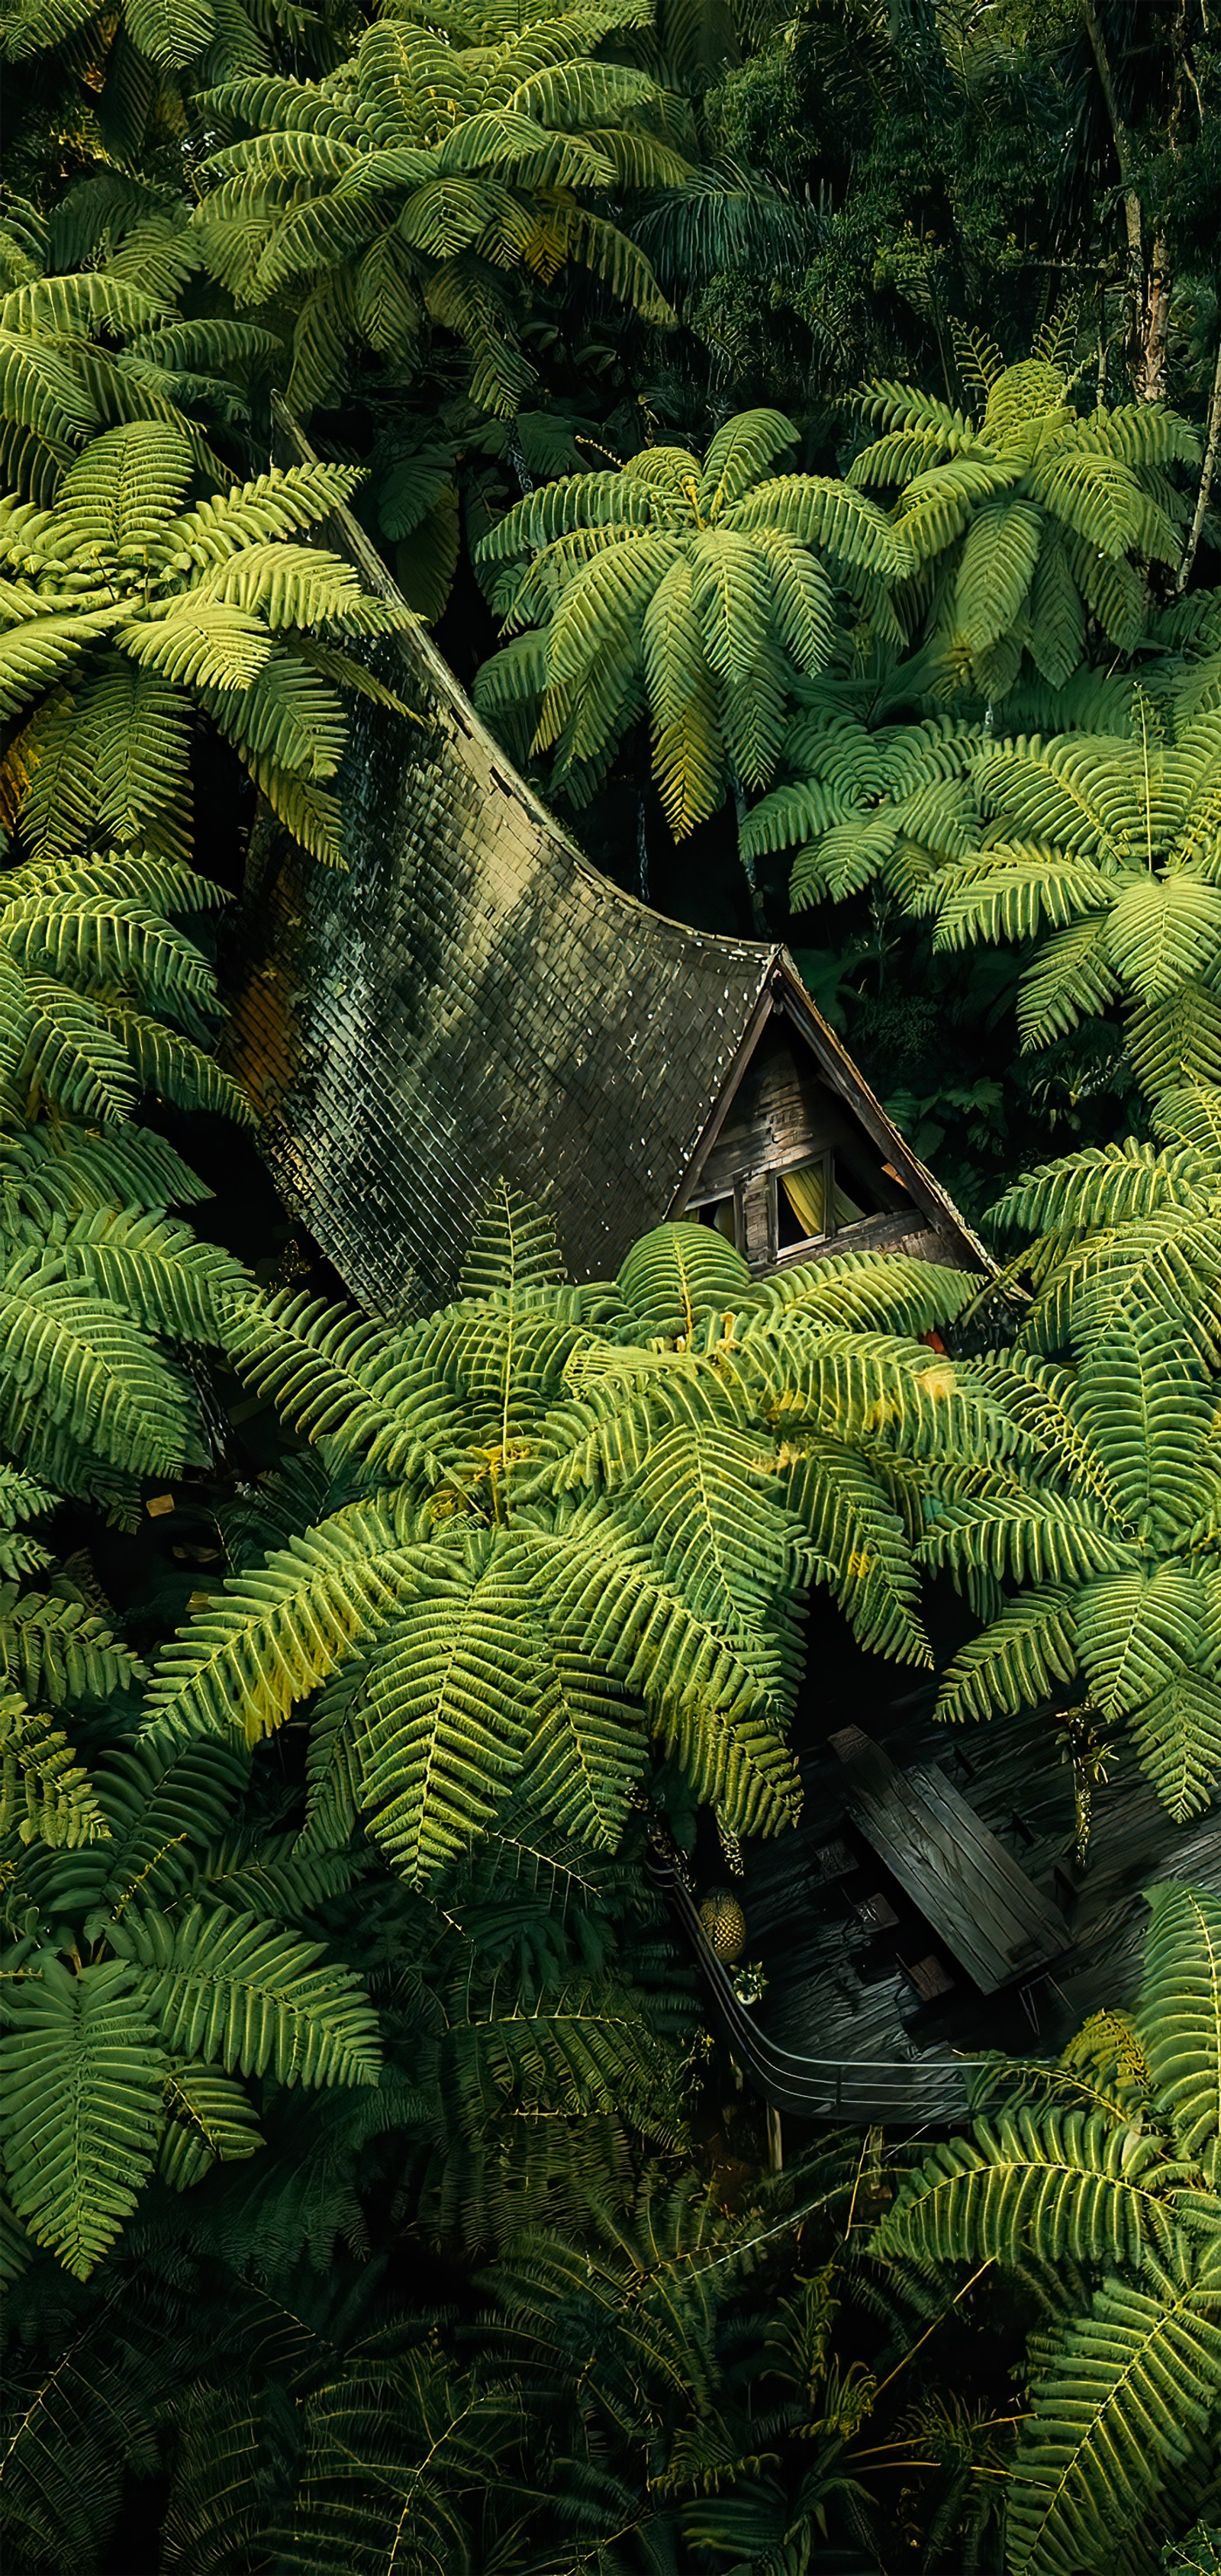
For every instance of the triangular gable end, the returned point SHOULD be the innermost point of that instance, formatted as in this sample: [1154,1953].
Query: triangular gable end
[799,1161]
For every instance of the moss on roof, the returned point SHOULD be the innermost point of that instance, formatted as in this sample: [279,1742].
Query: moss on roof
[470,1000]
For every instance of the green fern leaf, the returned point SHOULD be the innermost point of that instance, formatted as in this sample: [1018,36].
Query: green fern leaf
[227,1986]
[1132,2385]
[513,1246]
[1015,1661]
[91,1371]
[448,1711]
[995,570]
[83,2042]
[1067,2186]
[275,1634]
[45,1794]
[208,2122]
[679,1272]
[59,1652]
[1179,2016]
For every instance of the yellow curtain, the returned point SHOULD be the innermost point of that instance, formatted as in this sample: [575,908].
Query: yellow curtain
[806,1192]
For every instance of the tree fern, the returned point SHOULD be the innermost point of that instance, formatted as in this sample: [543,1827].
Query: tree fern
[1103,842]
[105,998]
[595,1514]
[1120,2439]
[438,156]
[140,70]
[85,347]
[1108,1515]
[1030,515]
[865,801]
[700,591]
[177,604]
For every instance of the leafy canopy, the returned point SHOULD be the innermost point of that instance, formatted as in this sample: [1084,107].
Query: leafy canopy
[697,593]
[1025,524]
[588,1520]
[865,799]
[85,348]
[1108,1515]
[450,150]
[1104,849]
[123,606]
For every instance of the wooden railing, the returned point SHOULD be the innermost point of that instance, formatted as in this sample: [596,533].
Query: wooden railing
[930,2091]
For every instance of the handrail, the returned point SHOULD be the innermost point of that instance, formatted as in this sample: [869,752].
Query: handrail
[812,2088]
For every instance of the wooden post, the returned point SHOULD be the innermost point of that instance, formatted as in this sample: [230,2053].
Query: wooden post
[775,2143]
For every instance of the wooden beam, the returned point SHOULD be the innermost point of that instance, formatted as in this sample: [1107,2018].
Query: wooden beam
[830,1052]
[688,1187]
[991,1917]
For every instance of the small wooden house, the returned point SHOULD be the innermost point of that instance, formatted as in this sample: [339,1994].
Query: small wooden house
[472,1000]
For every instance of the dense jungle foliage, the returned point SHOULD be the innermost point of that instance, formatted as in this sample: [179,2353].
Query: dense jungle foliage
[800,432]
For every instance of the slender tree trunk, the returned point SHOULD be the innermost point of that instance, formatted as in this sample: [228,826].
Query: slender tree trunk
[1207,471]
[757,913]
[1150,372]
[1149,279]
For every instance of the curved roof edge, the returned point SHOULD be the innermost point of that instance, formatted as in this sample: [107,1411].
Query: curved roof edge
[472,999]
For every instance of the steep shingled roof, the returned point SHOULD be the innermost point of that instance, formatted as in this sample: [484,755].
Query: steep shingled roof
[473,1000]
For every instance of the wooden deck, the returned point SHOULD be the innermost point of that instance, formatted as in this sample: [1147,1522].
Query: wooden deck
[839,1986]
[968,1888]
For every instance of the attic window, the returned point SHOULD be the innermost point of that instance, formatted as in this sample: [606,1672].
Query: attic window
[812,1202]
[721,1215]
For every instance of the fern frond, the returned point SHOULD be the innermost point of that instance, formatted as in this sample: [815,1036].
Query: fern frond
[208,2121]
[276,1633]
[678,1273]
[91,1371]
[1014,1662]
[513,1246]
[58,1651]
[1132,2384]
[45,1794]
[862,1549]
[1065,2186]
[1179,2016]
[231,1987]
[85,2042]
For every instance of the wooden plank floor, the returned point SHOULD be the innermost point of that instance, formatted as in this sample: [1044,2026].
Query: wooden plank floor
[835,1986]
[966,1885]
